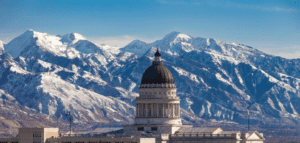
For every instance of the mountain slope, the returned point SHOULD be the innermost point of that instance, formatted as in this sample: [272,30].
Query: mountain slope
[222,80]
[1,47]
[216,80]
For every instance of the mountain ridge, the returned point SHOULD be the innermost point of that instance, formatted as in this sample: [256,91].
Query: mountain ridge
[216,81]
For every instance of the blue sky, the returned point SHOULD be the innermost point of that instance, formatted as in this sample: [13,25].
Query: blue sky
[270,25]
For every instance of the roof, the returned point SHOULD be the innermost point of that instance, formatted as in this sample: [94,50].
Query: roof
[157,74]
[229,132]
[185,130]
[255,132]
[106,130]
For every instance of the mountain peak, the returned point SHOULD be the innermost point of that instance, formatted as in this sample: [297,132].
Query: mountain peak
[176,37]
[28,33]
[136,46]
[15,47]
[137,42]
[31,33]
[72,38]
[172,34]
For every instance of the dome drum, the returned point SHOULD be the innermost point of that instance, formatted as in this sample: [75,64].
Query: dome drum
[158,93]
[157,86]
[158,121]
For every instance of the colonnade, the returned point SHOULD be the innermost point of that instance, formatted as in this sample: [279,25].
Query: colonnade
[158,110]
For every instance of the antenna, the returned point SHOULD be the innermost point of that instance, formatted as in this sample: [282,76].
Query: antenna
[248,120]
[70,122]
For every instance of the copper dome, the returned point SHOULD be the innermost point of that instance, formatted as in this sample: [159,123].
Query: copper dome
[157,73]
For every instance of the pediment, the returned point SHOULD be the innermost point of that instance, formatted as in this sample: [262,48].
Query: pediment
[255,135]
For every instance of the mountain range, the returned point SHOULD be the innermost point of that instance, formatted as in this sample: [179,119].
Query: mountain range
[44,77]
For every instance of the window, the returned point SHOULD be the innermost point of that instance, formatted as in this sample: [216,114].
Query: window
[37,134]
[140,128]
[153,128]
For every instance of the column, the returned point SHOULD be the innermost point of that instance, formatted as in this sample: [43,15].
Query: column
[169,110]
[137,110]
[178,110]
[157,113]
[152,109]
[146,110]
[149,110]
[163,110]
[173,110]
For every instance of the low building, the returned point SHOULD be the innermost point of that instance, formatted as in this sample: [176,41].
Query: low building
[182,135]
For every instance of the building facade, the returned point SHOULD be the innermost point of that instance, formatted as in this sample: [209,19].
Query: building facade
[157,120]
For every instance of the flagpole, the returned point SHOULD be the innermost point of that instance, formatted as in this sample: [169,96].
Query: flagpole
[248,121]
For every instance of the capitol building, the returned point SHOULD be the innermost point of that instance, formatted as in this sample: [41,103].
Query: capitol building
[157,120]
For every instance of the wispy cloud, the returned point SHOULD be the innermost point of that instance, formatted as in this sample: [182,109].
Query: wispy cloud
[119,41]
[292,52]
[258,7]
[172,1]
[230,4]
[178,2]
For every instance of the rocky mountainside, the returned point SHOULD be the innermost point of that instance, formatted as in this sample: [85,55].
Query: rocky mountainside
[219,80]
[49,75]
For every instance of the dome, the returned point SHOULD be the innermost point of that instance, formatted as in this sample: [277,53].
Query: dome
[157,73]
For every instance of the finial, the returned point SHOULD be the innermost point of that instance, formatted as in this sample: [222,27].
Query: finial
[157,53]
[157,57]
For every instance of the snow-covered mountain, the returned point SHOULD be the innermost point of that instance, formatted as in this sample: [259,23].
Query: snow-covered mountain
[219,80]
[50,75]
[1,47]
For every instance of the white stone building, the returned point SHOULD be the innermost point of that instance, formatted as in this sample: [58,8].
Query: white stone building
[157,120]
